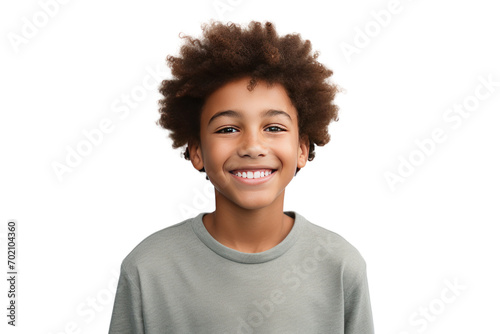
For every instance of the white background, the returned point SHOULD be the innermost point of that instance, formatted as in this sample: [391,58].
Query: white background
[437,226]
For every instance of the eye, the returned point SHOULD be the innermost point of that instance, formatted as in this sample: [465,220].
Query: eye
[274,128]
[226,130]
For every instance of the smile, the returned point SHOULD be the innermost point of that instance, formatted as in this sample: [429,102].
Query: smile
[253,177]
[252,174]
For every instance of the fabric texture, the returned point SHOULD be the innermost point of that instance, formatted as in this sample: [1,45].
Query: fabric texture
[181,280]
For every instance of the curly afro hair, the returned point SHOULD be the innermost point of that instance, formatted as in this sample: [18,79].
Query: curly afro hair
[227,52]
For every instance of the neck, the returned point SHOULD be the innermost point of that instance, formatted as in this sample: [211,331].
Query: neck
[248,230]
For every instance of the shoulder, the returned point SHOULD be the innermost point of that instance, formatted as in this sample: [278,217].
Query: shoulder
[333,249]
[165,244]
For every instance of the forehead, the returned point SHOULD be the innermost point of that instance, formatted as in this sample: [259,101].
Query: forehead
[235,96]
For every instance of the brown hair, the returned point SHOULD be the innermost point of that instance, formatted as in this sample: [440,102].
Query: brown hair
[227,52]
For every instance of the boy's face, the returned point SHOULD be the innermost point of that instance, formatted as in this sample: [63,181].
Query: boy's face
[246,132]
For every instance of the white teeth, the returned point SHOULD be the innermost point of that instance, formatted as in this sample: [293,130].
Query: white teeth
[253,175]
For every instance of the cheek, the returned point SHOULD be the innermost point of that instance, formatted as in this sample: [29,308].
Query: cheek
[216,156]
[286,151]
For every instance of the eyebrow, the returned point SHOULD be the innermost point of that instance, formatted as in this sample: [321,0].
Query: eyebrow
[235,114]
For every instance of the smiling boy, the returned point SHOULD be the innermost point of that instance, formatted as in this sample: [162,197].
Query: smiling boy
[250,149]
[250,106]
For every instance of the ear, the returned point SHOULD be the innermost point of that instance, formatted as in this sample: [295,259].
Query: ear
[195,155]
[303,152]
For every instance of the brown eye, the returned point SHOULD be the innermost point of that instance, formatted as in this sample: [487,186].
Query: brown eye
[275,128]
[226,130]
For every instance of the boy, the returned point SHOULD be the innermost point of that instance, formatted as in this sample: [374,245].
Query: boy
[250,106]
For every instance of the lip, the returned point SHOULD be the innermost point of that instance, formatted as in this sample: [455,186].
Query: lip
[258,181]
[252,167]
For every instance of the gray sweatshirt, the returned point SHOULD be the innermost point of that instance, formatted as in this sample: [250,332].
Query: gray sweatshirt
[181,280]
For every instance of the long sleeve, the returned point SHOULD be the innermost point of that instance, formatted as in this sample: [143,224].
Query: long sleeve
[357,307]
[127,310]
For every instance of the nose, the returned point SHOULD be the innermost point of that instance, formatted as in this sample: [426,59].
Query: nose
[252,145]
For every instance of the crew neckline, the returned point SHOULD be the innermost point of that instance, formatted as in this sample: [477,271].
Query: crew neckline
[249,258]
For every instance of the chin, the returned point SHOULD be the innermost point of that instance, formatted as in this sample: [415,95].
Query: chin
[255,203]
